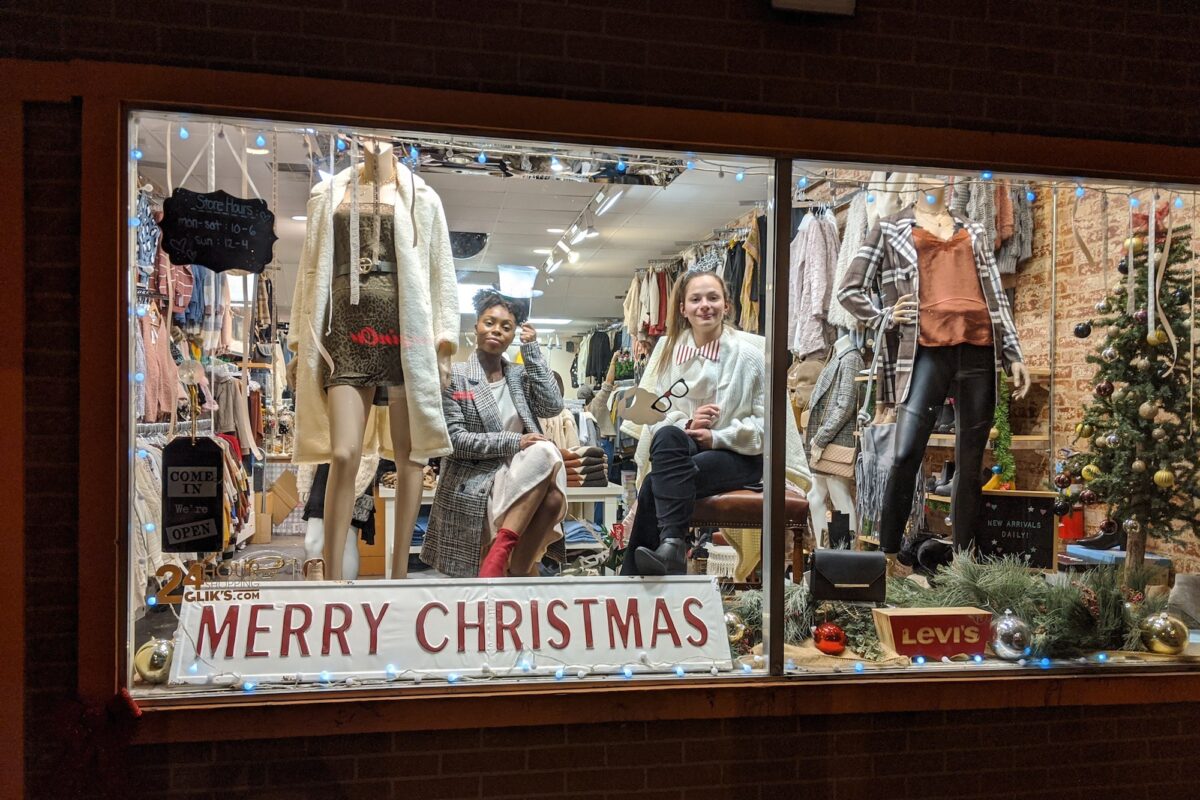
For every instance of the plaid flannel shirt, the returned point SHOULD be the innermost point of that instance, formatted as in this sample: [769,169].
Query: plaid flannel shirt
[885,269]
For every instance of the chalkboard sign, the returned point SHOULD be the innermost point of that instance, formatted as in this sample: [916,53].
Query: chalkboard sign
[193,485]
[217,230]
[1017,524]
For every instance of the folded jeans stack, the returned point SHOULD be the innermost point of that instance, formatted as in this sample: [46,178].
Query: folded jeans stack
[586,466]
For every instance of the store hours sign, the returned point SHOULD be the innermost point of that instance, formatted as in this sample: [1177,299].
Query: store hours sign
[385,631]
[217,230]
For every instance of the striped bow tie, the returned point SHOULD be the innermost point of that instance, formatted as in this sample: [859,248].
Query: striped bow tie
[711,351]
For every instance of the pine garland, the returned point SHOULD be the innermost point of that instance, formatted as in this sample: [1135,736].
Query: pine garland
[1002,447]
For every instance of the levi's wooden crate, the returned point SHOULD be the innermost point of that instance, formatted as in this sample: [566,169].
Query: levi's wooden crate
[934,632]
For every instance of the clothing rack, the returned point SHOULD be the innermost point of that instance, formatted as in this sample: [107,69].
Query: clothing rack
[204,427]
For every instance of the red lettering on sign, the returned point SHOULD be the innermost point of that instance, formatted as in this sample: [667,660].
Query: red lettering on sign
[208,622]
[663,623]
[480,611]
[697,624]
[253,629]
[373,623]
[558,623]
[511,627]
[618,624]
[587,603]
[339,631]
[422,639]
[536,625]
[290,630]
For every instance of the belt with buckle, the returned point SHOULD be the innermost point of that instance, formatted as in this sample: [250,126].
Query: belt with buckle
[366,266]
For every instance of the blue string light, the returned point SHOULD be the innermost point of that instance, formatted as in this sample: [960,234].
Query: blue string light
[746,668]
[987,176]
[627,671]
[1133,201]
[149,527]
[859,666]
[680,671]
[931,199]
[136,154]
[138,377]
[559,674]
[452,677]
[390,669]
[482,157]
[249,686]
[341,145]
[1030,196]
[870,197]
[690,164]
[1079,191]
[741,176]
[1179,202]
[134,222]
[183,133]
[194,668]
[1044,663]
[142,454]
[621,165]
[141,311]
[260,141]
[152,601]
[1102,657]
[919,660]
[978,659]
[326,677]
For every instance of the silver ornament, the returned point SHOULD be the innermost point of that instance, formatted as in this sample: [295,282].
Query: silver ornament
[1131,526]
[1109,354]
[1138,466]
[1103,307]
[153,660]
[1112,439]
[1114,331]
[1142,363]
[1120,395]
[949,522]
[1011,637]
[1100,441]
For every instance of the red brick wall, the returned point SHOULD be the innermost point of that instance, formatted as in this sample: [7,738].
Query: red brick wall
[1094,69]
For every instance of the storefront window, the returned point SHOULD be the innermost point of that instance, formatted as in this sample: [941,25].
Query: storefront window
[393,395]
[996,387]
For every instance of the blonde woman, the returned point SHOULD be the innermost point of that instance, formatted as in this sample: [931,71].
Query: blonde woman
[711,382]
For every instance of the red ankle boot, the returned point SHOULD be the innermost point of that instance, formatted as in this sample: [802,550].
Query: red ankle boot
[495,563]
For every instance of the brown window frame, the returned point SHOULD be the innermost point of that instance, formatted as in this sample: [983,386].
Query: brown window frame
[109,91]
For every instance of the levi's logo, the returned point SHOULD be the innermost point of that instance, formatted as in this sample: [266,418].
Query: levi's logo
[929,634]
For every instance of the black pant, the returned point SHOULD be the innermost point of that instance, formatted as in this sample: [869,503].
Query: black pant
[682,473]
[934,369]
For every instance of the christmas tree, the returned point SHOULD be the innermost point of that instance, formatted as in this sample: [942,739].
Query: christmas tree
[1137,434]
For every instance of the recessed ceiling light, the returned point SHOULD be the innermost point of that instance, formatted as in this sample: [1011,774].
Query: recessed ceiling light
[299,217]
[556,230]
[549,321]
[257,151]
[573,256]
[544,251]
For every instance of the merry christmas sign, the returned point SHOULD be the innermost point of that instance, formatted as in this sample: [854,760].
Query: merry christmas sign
[306,632]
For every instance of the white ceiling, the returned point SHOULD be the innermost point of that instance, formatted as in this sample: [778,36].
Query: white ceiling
[647,223]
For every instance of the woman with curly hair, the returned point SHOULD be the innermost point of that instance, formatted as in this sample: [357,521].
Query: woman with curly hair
[503,488]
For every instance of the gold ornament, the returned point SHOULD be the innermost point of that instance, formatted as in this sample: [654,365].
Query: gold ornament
[1159,434]
[1120,394]
[735,627]
[1135,243]
[1164,479]
[993,434]
[1086,431]
[1147,410]
[1090,472]
[1156,337]
[153,660]
[1163,634]
[1138,466]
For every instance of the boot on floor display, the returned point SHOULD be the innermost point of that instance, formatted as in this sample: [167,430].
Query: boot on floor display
[940,478]
[1106,538]
[945,420]
[946,480]
[669,558]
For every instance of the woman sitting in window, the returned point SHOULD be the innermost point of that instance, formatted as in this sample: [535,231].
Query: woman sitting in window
[504,483]
[711,381]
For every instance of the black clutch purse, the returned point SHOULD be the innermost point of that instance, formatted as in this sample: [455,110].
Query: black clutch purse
[849,576]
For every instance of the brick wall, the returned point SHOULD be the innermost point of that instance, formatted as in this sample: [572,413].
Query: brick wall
[1095,69]
[1092,68]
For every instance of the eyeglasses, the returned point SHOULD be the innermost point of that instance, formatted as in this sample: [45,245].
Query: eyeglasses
[663,403]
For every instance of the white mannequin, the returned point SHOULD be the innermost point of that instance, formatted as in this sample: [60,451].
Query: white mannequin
[348,408]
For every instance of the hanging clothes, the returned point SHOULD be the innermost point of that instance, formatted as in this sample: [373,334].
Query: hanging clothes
[813,262]
[854,232]
[599,355]
[161,375]
[633,304]
[976,199]
[1019,247]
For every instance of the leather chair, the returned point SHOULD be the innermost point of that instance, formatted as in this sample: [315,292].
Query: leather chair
[743,508]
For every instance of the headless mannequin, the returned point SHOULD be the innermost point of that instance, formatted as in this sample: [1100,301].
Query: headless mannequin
[838,491]
[929,382]
[348,408]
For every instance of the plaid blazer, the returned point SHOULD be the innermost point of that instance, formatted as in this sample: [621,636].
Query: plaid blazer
[454,538]
[885,269]
[834,400]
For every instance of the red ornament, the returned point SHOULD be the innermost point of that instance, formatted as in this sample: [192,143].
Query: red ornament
[1104,389]
[1089,497]
[1108,526]
[829,638]
[1062,480]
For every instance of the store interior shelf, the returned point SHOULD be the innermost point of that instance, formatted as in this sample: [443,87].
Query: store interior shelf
[938,498]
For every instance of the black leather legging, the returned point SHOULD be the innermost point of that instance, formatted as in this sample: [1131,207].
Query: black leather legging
[934,369]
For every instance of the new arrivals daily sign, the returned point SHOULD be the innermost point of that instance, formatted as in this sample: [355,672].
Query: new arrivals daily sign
[298,632]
